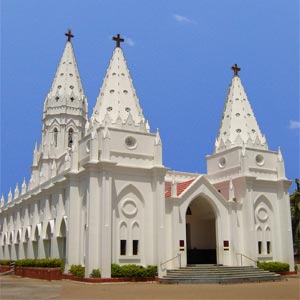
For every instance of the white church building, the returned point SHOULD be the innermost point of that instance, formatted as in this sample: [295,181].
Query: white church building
[99,192]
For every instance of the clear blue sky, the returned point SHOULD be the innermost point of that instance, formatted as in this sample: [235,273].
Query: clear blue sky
[179,54]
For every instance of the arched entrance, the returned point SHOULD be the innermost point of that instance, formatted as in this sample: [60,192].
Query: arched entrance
[201,232]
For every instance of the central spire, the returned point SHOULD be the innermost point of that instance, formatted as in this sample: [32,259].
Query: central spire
[117,102]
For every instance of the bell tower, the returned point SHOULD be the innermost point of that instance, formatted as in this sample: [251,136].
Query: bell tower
[64,117]
[252,178]
[65,107]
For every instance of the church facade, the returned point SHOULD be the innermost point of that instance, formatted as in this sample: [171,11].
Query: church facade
[100,194]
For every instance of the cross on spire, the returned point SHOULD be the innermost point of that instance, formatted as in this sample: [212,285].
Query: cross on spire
[69,35]
[235,69]
[118,40]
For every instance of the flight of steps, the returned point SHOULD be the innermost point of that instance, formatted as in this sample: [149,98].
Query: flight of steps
[217,274]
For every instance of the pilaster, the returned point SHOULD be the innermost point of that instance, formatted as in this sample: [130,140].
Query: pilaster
[74,222]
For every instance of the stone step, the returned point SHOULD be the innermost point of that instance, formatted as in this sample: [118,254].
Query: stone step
[217,280]
[214,273]
[217,274]
[220,275]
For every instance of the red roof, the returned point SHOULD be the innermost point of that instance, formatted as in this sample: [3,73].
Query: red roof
[181,187]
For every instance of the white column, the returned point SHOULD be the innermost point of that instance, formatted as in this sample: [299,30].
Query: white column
[159,216]
[93,222]
[74,222]
[106,226]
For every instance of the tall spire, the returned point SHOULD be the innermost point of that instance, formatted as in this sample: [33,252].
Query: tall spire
[238,125]
[65,106]
[67,80]
[117,100]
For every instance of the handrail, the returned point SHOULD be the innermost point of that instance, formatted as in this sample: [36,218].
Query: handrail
[243,255]
[178,255]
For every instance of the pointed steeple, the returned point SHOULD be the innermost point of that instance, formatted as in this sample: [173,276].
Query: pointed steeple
[65,106]
[2,201]
[66,83]
[238,123]
[117,96]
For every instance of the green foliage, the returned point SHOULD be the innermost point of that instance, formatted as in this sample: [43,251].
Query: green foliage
[295,214]
[116,271]
[6,262]
[77,270]
[40,263]
[95,273]
[133,271]
[274,266]
[296,268]
[151,271]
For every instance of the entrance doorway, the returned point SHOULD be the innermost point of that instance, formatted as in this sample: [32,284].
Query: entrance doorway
[201,232]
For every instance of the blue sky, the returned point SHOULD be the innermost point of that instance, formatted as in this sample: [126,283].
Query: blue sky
[179,54]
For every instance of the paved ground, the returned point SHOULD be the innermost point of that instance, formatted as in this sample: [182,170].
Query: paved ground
[17,288]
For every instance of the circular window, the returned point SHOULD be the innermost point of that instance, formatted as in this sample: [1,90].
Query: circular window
[112,91]
[59,86]
[130,142]
[71,75]
[127,109]
[259,159]
[109,108]
[71,87]
[129,207]
[237,114]
[262,214]
[125,92]
[253,130]
[238,130]
[222,162]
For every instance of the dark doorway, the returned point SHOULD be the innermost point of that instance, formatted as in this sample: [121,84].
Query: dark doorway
[201,233]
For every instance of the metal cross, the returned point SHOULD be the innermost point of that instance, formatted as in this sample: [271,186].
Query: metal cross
[69,35]
[118,40]
[235,69]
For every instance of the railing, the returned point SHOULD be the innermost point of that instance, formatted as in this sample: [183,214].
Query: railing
[249,258]
[171,259]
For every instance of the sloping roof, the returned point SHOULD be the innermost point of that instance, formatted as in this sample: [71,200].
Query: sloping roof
[181,187]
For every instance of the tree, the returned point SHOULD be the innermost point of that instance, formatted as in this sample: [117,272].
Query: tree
[295,213]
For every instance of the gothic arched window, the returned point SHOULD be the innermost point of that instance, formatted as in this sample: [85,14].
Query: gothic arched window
[70,137]
[55,135]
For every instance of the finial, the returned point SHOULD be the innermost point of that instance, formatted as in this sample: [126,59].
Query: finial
[118,40]
[69,35]
[16,195]
[24,186]
[9,198]
[236,69]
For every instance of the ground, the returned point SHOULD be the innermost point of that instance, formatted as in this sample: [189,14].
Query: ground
[17,288]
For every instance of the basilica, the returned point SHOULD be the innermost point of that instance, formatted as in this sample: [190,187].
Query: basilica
[100,194]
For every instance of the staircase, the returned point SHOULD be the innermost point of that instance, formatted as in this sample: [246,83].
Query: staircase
[217,274]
